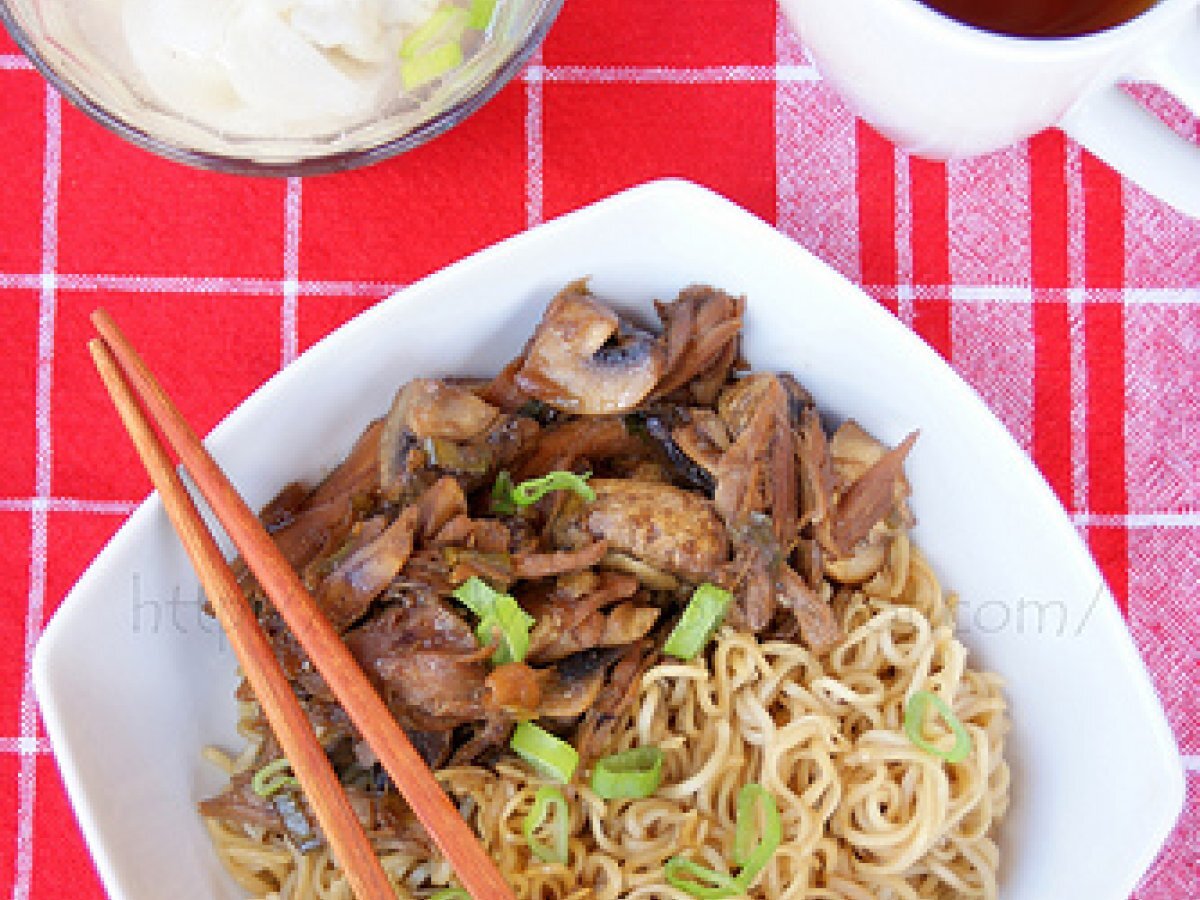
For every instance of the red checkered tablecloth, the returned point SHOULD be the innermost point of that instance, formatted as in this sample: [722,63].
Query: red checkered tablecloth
[1069,299]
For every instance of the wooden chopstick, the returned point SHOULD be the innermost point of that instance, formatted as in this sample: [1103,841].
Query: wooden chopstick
[475,870]
[308,761]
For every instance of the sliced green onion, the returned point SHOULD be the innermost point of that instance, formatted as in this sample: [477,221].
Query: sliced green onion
[445,25]
[700,619]
[549,755]
[694,879]
[632,774]
[425,68]
[752,857]
[502,501]
[498,614]
[914,721]
[748,856]
[544,801]
[270,778]
[450,894]
[529,492]
[500,618]
[506,496]
[480,16]
[512,624]
[477,596]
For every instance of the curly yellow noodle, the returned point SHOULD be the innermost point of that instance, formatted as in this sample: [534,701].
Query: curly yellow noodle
[866,815]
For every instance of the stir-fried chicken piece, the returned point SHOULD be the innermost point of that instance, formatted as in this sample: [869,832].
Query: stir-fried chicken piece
[757,473]
[814,617]
[817,479]
[667,527]
[702,327]
[572,617]
[879,488]
[561,447]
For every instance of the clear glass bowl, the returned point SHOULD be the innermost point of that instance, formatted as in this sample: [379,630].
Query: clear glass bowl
[78,45]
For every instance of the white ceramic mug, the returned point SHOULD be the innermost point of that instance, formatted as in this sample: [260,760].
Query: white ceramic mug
[943,89]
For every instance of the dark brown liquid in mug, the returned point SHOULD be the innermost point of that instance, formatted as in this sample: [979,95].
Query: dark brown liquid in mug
[1042,18]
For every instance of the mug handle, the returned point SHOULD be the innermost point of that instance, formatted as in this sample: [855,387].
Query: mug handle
[1135,142]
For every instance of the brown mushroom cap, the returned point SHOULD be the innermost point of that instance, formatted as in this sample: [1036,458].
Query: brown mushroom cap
[582,361]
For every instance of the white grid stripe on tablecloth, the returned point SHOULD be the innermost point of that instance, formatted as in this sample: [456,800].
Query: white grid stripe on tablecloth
[80,282]
[39,517]
[782,73]
[903,237]
[534,147]
[1076,259]
[67,505]
[289,312]
[200,284]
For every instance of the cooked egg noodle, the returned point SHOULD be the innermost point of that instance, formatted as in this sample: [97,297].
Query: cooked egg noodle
[866,814]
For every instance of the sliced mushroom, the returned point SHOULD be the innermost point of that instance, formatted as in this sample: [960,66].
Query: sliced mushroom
[861,565]
[572,684]
[357,475]
[615,699]
[429,408]
[366,570]
[703,439]
[580,360]
[446,421]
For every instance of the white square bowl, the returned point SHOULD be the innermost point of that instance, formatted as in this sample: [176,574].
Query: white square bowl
[133,681]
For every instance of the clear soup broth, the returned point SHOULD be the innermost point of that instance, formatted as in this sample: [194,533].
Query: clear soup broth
[1042,18]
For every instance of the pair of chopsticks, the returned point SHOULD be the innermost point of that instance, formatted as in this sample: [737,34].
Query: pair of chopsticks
[128,378]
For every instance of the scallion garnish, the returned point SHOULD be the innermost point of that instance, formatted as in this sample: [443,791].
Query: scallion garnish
[698,881]
[549,755]
[914,724]
[502,501]
[453,893]
[512,624]
[507,497]
[481,14]
[433,64]
[445,25]
[500,618]
[747,854]
[629,775]
[270,778]
[477,596]
[548,803]
[699,621]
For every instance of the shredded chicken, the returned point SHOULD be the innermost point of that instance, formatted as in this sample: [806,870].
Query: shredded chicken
[694,473]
